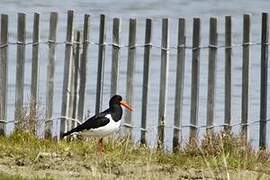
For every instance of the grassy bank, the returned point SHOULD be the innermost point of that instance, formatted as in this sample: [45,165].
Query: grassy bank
[220,156]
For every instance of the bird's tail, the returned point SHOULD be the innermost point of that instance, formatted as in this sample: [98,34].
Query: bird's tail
[71,131]
[67,133]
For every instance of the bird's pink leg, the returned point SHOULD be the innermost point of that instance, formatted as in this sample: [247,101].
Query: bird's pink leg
[101,146]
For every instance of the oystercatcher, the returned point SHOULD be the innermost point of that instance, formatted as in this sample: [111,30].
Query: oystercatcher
[104,123]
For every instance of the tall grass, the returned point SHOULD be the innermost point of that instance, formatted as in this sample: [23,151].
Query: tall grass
[218,154]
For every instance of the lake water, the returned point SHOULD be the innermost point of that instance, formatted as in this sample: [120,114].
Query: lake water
[142,9]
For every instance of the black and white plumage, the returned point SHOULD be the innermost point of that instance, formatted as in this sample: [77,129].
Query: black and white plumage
[104,123]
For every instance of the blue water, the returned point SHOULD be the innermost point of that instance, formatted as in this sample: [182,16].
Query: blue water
[142,9]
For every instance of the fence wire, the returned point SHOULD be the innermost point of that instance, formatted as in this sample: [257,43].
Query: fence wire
[49,42]
[127,125]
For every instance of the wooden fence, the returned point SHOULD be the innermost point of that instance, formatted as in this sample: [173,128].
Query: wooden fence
[75,68]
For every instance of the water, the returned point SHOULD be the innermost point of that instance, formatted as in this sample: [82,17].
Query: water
[142,9]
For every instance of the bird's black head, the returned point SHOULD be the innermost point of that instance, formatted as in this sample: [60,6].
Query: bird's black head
[115,107]
[115,100]
[116,103]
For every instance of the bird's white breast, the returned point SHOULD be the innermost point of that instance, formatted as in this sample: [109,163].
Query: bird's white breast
[106,130]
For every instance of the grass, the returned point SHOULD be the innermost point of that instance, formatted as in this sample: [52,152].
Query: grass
[18,177]
[216,155]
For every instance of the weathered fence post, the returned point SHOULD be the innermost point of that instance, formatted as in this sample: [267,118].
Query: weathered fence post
[50,74]
[146,73]
[164,66]
[35,74]
[3,72]
[179,90]
[76,79]
[101,61]
[195,77]
[130,70]
[74,82]
[67,74]
[264,74]
[245,76]
[115,55]
[228,72]
[213,40]
[21,36]
[83,67]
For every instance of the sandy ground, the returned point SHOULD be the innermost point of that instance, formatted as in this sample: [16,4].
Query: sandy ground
[69,168]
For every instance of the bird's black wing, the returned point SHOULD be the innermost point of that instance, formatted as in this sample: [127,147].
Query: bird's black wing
[93,122]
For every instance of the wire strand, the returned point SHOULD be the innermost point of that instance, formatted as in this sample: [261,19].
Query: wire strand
[183,46]
[127,125]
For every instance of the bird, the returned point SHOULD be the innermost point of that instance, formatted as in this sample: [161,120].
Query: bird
[104,123]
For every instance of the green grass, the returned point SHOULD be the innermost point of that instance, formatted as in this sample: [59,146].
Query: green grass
[11,177]
[216,153]
[18,177]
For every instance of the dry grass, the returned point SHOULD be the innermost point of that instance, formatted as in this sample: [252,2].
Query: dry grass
[218,155]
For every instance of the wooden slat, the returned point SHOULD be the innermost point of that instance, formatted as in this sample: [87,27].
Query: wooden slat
[101,61]
[213,41]
[19,93]
[115,55]
[3,72]
[72,89]
[164,66]
[35,73]
[195,77]
[83,66]
[76,81]
[67,74]
[245,75]
[130,70]
[71,92]
[179,91]
[50,73]
[228,72]
[146,78]
[264,74]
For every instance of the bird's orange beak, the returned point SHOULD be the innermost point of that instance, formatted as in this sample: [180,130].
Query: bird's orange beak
[126,105]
